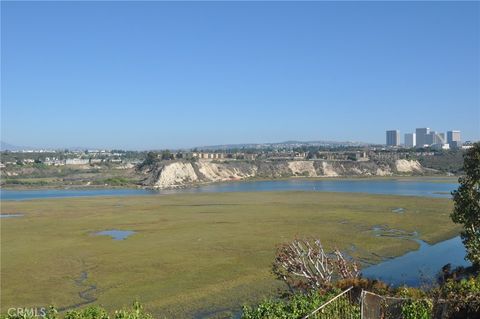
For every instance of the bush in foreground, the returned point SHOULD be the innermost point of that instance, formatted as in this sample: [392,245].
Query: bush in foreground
[92,312]
[300,305]
[463,297]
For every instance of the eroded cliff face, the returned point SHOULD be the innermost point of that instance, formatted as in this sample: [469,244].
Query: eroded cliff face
[177,174]
[305,168]
[214,172]
[406,166]
[180,174]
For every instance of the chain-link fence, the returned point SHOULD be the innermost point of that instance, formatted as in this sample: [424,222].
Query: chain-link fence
[345,305]
[356,304]
[374,306]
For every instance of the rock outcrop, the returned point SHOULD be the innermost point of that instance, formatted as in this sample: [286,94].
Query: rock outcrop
[302,168]
[406,166]
[174,174]
[214,172]
[177,173]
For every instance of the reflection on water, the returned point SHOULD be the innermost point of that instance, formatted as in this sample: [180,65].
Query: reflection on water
[116,234]
[372,186]
[10,215]
[422,265]
[59,193]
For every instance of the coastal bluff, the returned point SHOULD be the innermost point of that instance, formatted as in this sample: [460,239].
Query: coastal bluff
[178,174]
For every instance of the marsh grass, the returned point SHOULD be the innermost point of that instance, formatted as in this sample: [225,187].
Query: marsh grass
[192,252]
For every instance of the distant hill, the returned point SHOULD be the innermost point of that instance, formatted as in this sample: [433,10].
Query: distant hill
[9,147]
[287,144]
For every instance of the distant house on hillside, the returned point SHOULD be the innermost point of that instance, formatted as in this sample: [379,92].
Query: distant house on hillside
[211,156]
[77,161]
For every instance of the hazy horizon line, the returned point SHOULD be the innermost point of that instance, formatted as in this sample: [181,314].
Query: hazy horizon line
[290,141]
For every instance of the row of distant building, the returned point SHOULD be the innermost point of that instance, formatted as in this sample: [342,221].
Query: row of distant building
[424,137]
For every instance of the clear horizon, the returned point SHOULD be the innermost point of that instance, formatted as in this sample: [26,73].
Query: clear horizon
[158,75]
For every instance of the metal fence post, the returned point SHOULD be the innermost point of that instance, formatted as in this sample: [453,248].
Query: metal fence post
[361,303]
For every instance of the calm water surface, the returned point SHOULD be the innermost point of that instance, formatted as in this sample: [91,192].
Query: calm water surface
[419,266]
[116,234]
[387,187]
[10,215]
[390,187]
[60,193]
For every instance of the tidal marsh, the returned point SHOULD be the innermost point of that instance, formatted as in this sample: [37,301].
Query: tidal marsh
[192,253]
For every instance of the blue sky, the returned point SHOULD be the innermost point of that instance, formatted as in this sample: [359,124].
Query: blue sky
[180,74]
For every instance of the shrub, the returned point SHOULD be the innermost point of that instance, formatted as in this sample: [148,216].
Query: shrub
[372,285]
[304,264]
[92,312]
[113,181]
[463,297]
[415,308]
[300,305]
[136,312]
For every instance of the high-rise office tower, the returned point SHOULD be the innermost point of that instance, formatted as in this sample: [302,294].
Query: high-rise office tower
[393,138]
[421,136]
[453,139]
[410,140]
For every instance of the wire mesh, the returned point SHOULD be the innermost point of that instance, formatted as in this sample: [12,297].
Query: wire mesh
[352,304]
[344,306]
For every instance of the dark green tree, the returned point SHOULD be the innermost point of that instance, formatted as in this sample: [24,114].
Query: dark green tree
[166,155]
[151,158]
[467,204]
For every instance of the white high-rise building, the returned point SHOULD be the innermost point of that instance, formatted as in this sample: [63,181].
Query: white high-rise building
[441,136]
[410,140]
[434,138]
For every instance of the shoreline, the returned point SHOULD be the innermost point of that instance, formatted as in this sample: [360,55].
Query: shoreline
[430,178]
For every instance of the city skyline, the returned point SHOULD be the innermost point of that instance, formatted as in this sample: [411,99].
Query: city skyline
[172,78]
[404,139]
[401,138]
[424,136]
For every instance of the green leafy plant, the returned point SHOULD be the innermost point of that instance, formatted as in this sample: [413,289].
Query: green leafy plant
[300,305]
[136,312]
[467,204]
[417,309]
[92,312]
[463,297]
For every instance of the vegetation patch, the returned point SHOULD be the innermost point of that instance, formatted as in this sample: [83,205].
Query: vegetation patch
[183,261]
